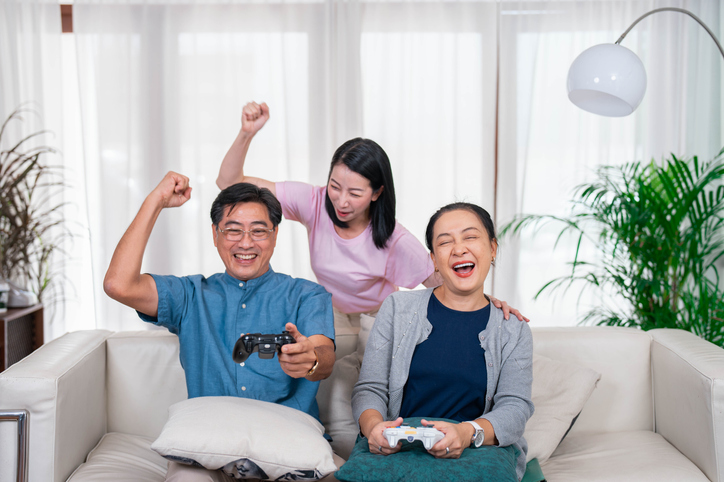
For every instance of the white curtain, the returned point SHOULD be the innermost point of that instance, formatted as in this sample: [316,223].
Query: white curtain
[548,146]
[30,72]
[467,98]
[162,86]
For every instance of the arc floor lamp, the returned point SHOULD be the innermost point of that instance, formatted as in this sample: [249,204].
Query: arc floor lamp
[609,79]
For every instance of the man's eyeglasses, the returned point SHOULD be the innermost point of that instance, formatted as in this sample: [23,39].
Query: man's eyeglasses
[257,234]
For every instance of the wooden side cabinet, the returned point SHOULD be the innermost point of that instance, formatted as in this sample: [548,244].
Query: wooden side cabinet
[21,332]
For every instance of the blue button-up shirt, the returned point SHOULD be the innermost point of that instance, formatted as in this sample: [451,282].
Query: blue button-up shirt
[209,315]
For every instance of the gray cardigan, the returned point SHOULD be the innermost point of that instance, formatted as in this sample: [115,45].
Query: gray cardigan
[402,324]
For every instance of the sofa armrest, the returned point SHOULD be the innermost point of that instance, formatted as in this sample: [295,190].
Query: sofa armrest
[688,385]
[62,386]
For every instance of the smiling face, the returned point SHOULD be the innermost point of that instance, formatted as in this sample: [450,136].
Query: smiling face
[245,259]
[351,195]
[462,252]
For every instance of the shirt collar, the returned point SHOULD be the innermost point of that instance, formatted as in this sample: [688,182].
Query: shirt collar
[252,283]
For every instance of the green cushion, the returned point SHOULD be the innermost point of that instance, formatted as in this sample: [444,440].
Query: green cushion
[533,472]
[413,463]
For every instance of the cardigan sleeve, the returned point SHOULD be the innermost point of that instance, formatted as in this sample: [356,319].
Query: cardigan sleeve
[512,404]
[372,388]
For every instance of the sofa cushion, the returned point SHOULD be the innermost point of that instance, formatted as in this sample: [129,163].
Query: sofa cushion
[560,390]
[622,400]
[144,378]
[637,456]
[414,463]
[122,458]
[246,439]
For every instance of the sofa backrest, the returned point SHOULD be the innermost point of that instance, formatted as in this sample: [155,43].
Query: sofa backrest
[623,399]
[144,376]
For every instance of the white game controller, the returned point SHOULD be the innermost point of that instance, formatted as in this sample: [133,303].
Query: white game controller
[429,436]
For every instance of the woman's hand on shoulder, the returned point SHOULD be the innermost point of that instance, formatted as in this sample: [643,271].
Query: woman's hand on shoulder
[377,441]
[507,310]
[456,439]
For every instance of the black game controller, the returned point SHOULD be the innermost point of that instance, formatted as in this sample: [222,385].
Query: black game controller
[265,345]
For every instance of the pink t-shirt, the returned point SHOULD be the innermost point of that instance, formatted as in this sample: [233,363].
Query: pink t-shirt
[358,275]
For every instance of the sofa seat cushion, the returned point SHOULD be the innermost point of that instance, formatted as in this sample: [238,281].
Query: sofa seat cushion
[637,456]
[122,458]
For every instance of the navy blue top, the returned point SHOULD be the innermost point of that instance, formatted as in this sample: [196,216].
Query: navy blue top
[209,315]
[448,378]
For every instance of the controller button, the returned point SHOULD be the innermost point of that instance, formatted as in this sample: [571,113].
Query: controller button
[267,345]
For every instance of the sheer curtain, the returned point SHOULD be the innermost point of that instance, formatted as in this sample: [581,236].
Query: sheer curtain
[548,146]
[30,69]
[162,85]
[467,98]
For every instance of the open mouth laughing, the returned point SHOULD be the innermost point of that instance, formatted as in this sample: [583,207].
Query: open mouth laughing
[463,268]
[245,258]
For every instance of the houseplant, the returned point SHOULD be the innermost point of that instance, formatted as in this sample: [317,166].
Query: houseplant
[659,231]
[31,222]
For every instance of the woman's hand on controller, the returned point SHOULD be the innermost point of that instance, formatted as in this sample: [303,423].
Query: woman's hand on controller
[377,440]
[455,441]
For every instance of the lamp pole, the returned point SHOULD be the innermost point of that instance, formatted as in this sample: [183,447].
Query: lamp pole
[672,9]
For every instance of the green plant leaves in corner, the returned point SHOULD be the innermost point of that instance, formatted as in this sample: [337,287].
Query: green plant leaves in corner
[659,229]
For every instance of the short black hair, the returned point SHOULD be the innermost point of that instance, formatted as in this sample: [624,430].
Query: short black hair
[244,192]
[481,213]
[369,160]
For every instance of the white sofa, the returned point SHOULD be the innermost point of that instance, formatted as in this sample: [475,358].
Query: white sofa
[657,413]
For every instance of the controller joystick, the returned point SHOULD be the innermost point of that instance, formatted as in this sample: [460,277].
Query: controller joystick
[428,435]
[265,345]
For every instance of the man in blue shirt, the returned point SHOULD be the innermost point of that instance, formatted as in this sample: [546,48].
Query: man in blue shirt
[209,314]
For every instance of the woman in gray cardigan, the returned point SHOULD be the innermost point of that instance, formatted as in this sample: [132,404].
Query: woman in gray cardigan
[447,352]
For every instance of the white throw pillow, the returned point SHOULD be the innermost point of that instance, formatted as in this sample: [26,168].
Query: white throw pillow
[246,439]
[560,390]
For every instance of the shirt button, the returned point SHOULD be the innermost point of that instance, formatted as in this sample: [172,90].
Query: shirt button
[241,285]
[482,337]
[243,305]
[490,364]
[241,364]
[489,398]
[243,389]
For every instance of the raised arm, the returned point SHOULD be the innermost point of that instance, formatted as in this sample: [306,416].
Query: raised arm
[253,118]
[124,281]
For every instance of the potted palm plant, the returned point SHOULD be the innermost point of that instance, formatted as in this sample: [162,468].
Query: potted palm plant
[31,221]
[658,229]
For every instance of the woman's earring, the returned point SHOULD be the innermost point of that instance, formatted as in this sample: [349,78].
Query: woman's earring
[436,270]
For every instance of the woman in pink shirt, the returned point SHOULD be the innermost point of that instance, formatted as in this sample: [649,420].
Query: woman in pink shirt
[358,251]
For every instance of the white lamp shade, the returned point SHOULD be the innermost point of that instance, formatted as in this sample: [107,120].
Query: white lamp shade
[607,80]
